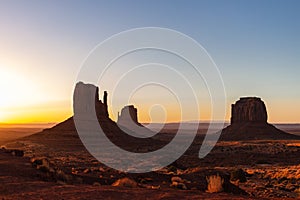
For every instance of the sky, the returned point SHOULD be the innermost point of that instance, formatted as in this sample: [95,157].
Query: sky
[43,44]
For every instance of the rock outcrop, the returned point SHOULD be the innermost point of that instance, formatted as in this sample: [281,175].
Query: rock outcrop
[249,122]
[128,116]
[85,97]
[248,109]
[128,122]
[86,102]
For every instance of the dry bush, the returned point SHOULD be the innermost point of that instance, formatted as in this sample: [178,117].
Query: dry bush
[215,183]
[62,176]
[238,175]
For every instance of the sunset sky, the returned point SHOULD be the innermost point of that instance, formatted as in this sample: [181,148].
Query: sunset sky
[255,44]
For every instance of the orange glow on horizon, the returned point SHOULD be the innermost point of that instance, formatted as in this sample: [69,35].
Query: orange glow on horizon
[58,112]
[33,115]
[23,101]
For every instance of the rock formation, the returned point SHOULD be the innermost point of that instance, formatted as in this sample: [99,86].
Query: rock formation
[128,122]
[86,102]
[249,122]
[248,109]
[87,95]
[128,115]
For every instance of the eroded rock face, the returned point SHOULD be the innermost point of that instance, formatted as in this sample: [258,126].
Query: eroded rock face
[86,96]
[128,115]
[248,109]
[249,122]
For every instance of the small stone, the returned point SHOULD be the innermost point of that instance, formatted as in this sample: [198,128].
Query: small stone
[96,184]
[155,187]
[178,185]
[101,169]
[177,179]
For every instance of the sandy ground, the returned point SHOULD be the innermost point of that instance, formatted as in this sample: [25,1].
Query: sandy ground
[19,180]
[272,167]
[9,134]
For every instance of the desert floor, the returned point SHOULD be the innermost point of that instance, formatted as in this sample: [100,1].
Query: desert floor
[61,168]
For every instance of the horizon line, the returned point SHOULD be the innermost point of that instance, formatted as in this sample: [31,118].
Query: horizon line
[172,122]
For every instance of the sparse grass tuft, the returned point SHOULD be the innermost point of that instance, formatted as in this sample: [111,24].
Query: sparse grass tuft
[215,184]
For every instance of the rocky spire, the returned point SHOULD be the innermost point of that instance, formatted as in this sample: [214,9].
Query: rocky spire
[105,98]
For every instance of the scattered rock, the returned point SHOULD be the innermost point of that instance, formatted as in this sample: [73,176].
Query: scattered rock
[177,179]
[178,185]
[42,164]
[94,169]
[178,182]
[74,171]
[36,161]
[125,182]
[145,180]
[101,169]
[96,184]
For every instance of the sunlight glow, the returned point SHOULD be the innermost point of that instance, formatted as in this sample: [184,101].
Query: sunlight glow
[23,101]
[15,89]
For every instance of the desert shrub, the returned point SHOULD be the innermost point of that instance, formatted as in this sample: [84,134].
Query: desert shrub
[35,162]
[262,162]
[96,184]
[172,168]
[215,183]
[43,168]
[40,161]
[18,153]
[238,175]
[61,176]
[42,164]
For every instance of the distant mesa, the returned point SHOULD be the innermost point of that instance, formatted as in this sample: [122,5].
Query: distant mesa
[249,122]
[248,109]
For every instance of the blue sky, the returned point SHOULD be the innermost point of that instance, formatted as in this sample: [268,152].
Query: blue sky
[255,44]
